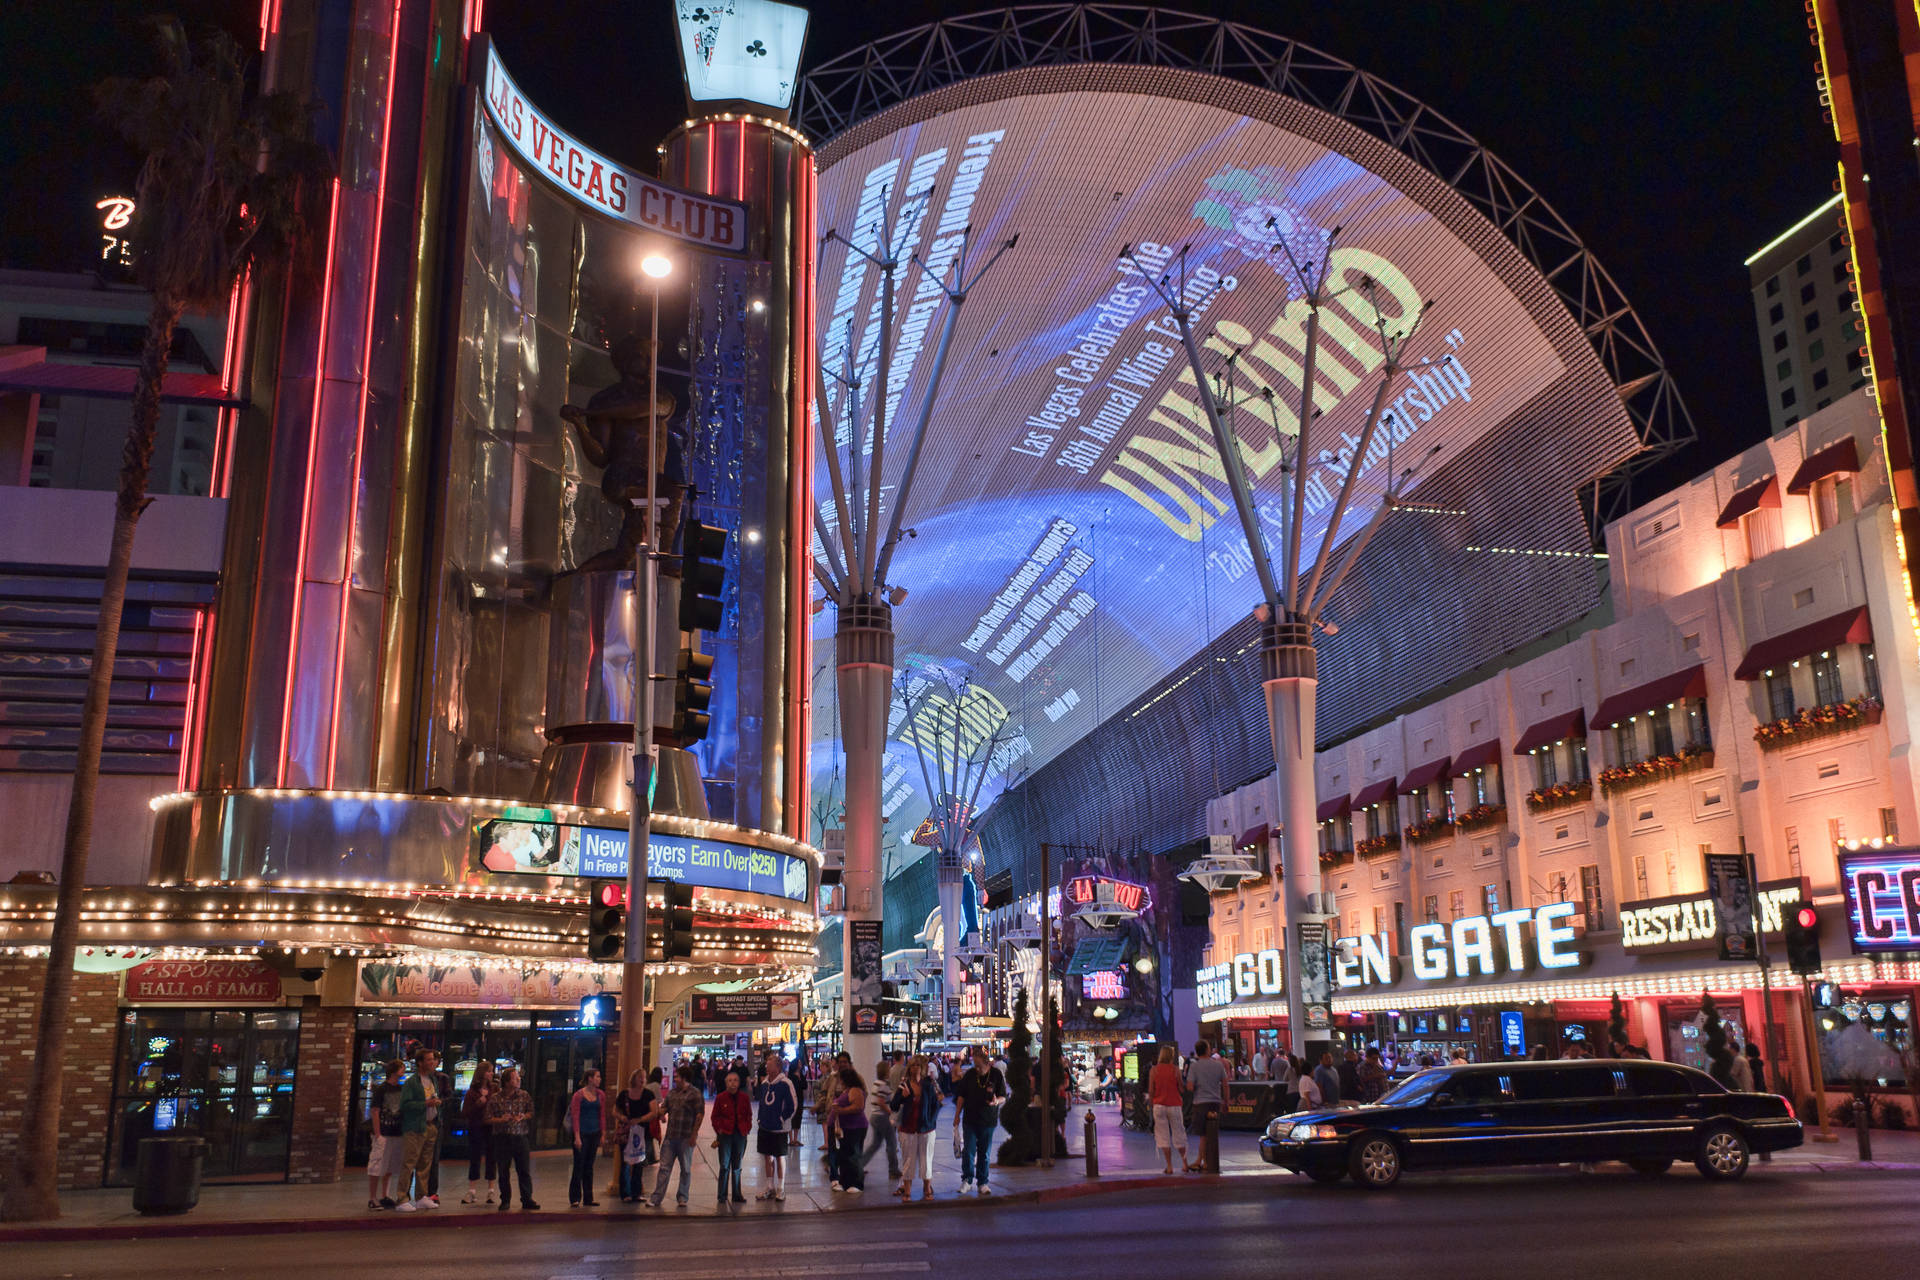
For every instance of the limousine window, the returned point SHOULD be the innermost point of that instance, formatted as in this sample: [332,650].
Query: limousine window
[1558,1083]
[1414,1090]
[1471,1087]
[1657,1082]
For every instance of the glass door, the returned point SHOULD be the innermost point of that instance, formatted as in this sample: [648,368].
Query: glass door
[224,1074]
[560,1058]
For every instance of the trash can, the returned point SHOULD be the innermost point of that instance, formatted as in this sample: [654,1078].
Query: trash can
[166,1176]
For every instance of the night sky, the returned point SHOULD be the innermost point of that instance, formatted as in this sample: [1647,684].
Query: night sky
[1675,139]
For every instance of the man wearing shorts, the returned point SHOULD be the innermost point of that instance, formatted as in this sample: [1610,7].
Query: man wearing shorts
[779,1104]
[389,1146]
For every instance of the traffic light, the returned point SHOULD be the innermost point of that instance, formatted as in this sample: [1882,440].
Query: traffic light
[692,691]
[702,576]
[599,1011]
[1803,939]
[607,922]
[676,922]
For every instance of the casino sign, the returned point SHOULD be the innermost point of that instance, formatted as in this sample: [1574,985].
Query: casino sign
[1883,898]
[1688,921]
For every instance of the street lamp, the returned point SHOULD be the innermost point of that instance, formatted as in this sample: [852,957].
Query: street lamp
[646,585]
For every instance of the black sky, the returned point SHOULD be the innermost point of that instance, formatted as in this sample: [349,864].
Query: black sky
[1674,138]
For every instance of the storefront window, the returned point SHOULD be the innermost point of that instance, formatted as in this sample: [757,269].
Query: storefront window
[550,1050]
[1686,1042]
[1866,1035]
[226,1075]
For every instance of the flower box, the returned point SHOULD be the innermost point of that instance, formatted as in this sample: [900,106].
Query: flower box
[1819,722]
[1561,795]
[1433,828]
[1654,769]
[1481,816]
[1374,846]
[1333,858]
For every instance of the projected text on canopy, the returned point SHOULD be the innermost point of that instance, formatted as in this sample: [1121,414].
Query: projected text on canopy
[1076,535]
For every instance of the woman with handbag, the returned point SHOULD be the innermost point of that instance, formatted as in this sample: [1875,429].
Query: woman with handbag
[917,1106]
[630,1111]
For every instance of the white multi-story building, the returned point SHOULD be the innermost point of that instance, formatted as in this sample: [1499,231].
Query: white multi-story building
[1752,686]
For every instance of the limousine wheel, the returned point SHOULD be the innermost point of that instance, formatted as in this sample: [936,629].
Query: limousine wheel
[1649,1168]
[1375,1162]
[1723,1154]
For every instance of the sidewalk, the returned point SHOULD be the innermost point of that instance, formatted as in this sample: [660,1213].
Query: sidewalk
[1128,1161]
[1125,1158]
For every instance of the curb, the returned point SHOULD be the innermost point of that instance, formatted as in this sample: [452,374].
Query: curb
[182,1228]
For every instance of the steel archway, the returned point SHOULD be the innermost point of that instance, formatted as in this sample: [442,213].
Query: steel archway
[837,95]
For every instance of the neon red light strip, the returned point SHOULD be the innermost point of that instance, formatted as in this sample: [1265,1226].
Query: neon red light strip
[193,680]
[229,374]
[306,501]
[366,394]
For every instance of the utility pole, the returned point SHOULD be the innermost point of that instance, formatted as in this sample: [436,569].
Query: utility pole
[1046,1010]
[1293,601]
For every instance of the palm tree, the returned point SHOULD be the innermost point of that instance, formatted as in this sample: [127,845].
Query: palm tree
[220,192]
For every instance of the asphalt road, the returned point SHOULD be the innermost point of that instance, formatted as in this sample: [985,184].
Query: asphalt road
[1557,1224]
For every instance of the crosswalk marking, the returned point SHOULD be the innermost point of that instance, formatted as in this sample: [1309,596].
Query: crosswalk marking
[780,1272]
[782,1250]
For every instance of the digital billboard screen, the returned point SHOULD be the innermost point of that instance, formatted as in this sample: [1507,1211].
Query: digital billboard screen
[1075,536]
[542,847]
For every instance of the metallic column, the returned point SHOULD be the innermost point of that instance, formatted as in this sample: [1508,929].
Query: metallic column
[311,675]
[1289,670]
[947,873]
[863,654]
[770,167]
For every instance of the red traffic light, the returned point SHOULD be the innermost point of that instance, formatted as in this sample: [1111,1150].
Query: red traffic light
[611,895]
[1806,918]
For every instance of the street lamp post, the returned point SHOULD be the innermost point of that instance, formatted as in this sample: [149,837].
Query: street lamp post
[646,590]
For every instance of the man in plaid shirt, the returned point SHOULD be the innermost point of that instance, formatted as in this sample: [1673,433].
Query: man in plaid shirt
[686,1107]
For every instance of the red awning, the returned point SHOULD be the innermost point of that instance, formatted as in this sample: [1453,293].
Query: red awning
[1252,836]
[1427,774]
[1691,683]
[1838,458]
[1850,627]
[1373,795]
[1568,724]
[115,382]
[1334,808]
[1765,493]
[1476,757]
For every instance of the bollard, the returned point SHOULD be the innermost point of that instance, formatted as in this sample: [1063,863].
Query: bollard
[1093,1151]
[1211,1150]
[1862,1118]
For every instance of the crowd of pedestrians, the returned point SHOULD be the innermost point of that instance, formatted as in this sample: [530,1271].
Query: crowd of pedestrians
[653,1126]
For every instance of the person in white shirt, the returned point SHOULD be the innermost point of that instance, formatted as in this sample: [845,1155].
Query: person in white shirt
[1259,1064]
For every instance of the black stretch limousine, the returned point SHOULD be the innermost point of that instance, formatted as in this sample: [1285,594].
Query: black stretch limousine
[1648,1114]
